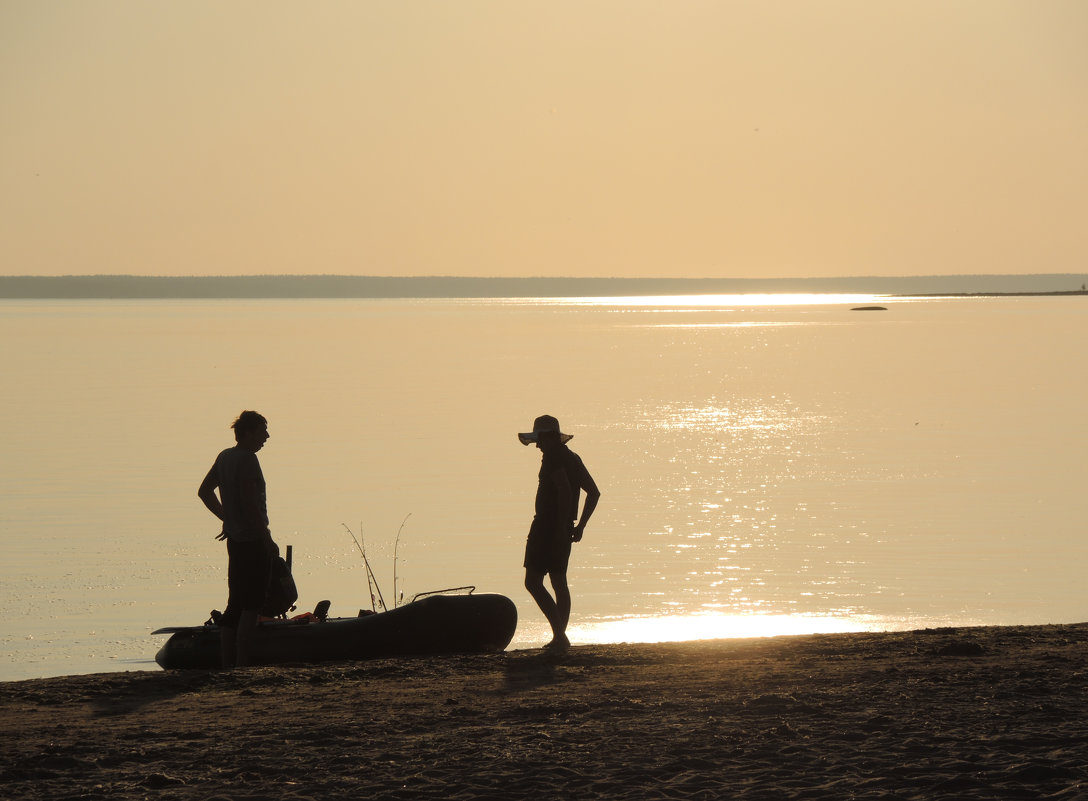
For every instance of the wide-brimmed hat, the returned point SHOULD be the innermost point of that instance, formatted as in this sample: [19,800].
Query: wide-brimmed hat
[542,425]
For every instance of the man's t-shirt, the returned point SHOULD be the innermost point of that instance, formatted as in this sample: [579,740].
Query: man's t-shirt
[244,519]
[562,458]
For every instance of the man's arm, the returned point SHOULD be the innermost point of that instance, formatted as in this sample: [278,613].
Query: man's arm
[207,494]
[589,486]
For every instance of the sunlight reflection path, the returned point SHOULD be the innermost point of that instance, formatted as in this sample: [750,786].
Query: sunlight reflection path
[683,628]
[705,301]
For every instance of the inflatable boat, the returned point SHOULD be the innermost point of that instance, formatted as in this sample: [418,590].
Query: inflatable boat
[436,624]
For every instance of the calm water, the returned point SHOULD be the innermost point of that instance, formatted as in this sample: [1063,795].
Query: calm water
[768,465]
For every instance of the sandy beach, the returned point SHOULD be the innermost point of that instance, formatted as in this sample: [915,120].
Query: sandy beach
[994,713]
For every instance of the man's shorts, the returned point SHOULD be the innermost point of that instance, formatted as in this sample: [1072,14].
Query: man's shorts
[544,551]
[248,571]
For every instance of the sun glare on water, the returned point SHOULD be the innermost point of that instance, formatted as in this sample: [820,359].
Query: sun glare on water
[683,628]
[711,301]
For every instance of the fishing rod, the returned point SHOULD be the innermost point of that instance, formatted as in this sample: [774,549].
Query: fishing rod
[371,579]
[396,546]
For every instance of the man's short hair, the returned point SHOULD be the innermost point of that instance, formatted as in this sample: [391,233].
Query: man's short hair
[247,421]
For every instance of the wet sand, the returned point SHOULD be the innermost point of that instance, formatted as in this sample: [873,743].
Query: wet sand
[994,713]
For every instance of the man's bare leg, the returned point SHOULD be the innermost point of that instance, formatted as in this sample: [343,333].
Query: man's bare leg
[562,609]
[247,629]
[228,644]
[556,610]
[562,612]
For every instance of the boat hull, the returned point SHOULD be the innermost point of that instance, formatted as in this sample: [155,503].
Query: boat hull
[438,624]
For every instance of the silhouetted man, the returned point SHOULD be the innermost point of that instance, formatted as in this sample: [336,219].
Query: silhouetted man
[547,550]
[242,507]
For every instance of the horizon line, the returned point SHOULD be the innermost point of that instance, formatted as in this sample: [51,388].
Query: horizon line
[329,285]
[858,276]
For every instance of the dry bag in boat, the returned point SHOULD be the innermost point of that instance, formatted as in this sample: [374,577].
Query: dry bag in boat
[281,590]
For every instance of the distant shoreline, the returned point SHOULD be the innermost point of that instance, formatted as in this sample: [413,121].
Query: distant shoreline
[121,287]
[996,294]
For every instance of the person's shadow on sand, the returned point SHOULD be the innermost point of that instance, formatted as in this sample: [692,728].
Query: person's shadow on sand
[531,671]
[132,694]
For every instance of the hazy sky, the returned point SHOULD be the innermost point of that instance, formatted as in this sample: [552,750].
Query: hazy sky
[621,138]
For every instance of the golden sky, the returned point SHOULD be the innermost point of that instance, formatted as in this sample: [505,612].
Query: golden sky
[734,138]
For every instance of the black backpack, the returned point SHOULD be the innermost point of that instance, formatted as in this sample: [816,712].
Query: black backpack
[282,594]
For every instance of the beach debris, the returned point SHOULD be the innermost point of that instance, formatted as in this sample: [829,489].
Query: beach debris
[773,703]
[159,781]
[961,648]
[1035,773]
[785,731]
